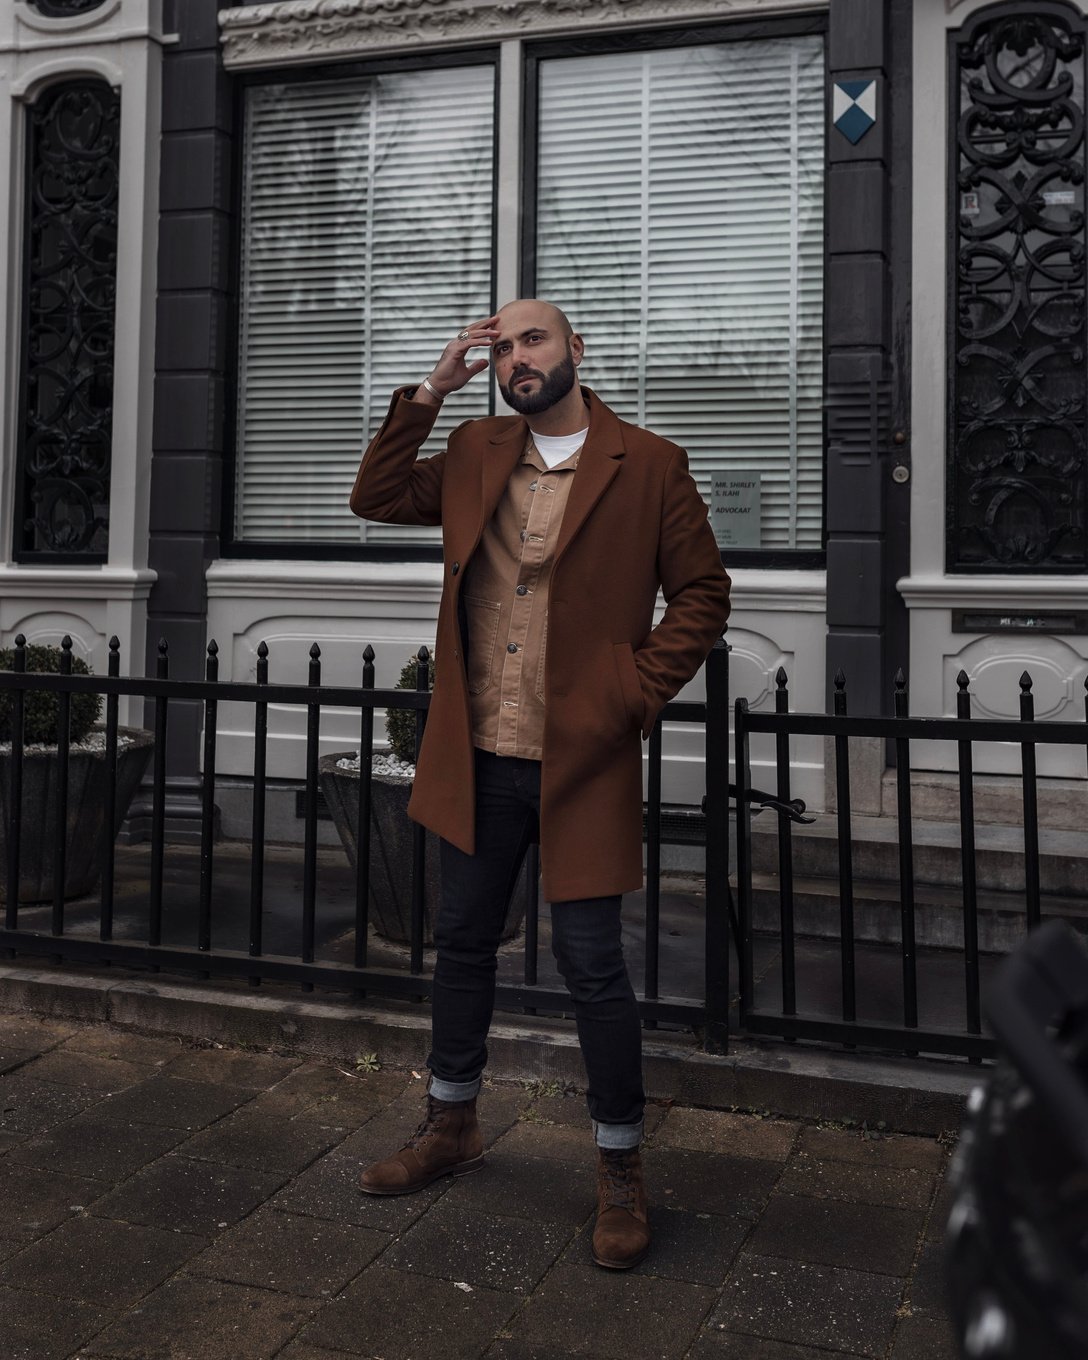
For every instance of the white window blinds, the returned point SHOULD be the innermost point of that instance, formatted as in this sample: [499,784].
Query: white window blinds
[367,230]
[680,224]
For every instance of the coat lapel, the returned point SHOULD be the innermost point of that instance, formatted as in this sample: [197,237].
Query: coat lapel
[598,463]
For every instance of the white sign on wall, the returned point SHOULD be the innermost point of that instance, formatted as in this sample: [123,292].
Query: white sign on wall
[735,503]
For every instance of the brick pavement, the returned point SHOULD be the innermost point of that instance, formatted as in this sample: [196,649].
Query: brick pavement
[164,1201]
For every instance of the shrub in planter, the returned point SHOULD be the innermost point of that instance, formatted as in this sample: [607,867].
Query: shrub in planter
[391,828]
[87,781]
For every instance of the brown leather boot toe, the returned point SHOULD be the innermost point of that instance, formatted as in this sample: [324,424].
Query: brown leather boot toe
[621,1237]
[447,1143]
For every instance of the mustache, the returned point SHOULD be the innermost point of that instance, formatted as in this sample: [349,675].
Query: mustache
[526,373]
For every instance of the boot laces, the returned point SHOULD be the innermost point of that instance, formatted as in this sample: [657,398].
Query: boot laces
[617,1178]
[428,1126]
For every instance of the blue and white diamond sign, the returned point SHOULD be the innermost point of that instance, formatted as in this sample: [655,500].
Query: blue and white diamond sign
[853,108]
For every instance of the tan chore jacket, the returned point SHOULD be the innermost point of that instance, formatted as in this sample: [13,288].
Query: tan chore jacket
[633,521]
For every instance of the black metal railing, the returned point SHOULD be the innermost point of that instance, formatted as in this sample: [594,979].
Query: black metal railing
[202,954]
[777,1010]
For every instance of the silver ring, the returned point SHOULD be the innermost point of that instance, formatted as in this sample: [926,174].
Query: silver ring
[462,335]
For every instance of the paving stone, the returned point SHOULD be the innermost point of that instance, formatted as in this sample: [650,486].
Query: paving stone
[325,1090]
[895,1150]
[291,1253]
[189,1196]
[90,1146]
[28,1106]
[13,1058]
[194,1319]
[813,1305]
[257,1071]
[252,1138]
[516,1350]
[736,1135]
[302,1350]
[105,1041]
[570,1111]
[85,1069]
[9,1245]
[38,1035]
[699,1248]
[925,1337]
[8,1140]
[838,1233]
[928,1284]
[330,1189]
[901,1188]
[557,1141]
[938,1215]
[491,1250]
[36,1201]
[616,1314]
[99,1261]
[534,1188]
[733,1346]
[396,1315]
[500,1107]
[175,1104]
[36,1327]
[703,1183]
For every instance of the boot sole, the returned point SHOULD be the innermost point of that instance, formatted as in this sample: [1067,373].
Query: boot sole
[461,1169]
[621,1265]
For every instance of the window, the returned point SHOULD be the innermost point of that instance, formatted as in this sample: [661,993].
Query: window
[679,221]
[367,241]
[671,203]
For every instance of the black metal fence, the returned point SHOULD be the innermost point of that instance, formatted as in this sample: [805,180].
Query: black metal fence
[778,1012]
[205,957]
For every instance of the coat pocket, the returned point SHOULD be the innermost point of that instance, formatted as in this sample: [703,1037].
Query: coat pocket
[630,685]
[483,626]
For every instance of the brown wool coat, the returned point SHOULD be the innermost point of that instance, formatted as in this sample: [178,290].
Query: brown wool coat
[634,521]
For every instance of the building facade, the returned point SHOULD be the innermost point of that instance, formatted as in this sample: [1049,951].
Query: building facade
[836,251]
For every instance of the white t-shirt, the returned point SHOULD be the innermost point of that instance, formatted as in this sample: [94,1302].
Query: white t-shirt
[557,448]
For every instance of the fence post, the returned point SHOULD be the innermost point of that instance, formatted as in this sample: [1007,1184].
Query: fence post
[109,819]
[207,802]
[419,835]
[785,849]
[743,783]
[846,855]
[309,864]
[60,806]
[362,828]
[158,799]
[256,862]
[716,1025]
[967,859]
[1031,809]
[906,858]
[15,792]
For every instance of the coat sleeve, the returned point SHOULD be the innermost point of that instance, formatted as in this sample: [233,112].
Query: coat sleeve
[696,590]
[393,484]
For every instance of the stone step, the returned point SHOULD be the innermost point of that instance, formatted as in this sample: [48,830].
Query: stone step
[999,799]
[999,853]
[938,913]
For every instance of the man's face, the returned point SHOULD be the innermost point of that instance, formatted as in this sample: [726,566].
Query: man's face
[533,360]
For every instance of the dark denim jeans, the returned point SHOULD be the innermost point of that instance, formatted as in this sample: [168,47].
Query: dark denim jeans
[476,891]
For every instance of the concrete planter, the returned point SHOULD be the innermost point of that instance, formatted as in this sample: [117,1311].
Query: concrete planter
[86,812]
[391,851]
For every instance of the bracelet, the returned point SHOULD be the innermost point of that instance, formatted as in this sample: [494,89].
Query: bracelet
[439,396]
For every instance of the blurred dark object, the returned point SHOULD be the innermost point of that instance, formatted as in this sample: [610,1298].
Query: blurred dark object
[1018,1230]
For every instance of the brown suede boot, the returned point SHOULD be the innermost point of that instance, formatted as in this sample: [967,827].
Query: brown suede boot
[447,1143]
[622,1236]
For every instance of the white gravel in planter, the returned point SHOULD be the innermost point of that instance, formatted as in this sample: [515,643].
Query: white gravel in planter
[95,742]
[382,762]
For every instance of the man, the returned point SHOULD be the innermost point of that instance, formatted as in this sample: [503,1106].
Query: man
[559,524]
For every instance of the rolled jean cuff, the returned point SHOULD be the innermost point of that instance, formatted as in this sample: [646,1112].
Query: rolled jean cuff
[617,1135]
[454,1092]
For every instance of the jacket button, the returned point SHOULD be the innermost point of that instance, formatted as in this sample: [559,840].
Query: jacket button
[511,646]
[522,590]
[455,568]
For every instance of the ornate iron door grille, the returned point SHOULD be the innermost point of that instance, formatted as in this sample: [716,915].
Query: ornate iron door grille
[63,9]
[63,466]
[1017,493]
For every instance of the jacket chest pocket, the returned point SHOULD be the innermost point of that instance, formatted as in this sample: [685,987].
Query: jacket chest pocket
[482,617]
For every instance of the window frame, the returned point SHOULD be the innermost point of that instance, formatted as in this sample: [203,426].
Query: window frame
[231,546]
[643,40]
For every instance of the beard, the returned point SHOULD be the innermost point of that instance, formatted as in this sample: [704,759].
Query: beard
[554,386]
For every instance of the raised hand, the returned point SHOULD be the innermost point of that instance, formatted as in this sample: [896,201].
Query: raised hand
[454,369]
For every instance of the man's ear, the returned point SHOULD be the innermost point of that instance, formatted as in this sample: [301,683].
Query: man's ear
[577,349]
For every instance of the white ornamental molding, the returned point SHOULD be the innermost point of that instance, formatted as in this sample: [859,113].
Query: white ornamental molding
[293,31]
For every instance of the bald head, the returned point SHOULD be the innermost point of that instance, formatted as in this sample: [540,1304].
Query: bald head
[525,312]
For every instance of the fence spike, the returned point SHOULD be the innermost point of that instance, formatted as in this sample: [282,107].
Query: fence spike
[262,649]
[20,642]
[781,679]
[315,651]
[900,679]
[1025,683]
[423,655]
[368,654]
[164,646]
[66,643]
[213,648]
[963,679]
[840,679]
[115,643]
